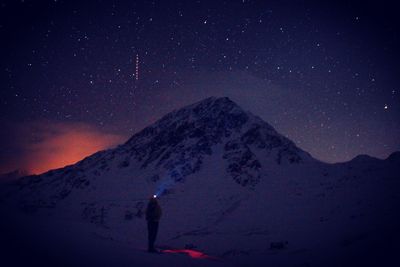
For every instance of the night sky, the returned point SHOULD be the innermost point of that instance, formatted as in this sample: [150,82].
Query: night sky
[323,74]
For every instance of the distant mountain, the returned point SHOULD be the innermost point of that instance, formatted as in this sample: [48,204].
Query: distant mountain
[228,183]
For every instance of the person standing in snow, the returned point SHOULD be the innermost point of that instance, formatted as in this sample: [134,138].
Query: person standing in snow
[153,215]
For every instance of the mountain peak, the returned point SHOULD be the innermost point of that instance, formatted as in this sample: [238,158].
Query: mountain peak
[219,101]
[179,141]
[215,99]
[211,106]
[219,113]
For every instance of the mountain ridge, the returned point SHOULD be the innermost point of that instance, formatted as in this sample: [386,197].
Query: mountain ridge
[255,136]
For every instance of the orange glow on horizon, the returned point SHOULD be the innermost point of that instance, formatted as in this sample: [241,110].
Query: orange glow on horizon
[59,144]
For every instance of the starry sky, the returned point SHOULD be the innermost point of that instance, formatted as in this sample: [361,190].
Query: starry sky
[323,73]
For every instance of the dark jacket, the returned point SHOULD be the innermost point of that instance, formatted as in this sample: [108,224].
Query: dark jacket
[153,211]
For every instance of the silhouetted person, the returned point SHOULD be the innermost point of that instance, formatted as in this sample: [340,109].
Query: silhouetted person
[153,215]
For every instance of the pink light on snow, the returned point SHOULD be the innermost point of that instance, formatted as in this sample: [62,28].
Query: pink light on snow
[190,252]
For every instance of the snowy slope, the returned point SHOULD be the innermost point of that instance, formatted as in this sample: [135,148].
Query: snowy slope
[230,185]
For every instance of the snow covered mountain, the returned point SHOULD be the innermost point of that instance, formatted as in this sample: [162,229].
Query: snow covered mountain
[229,185]
[174,148]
